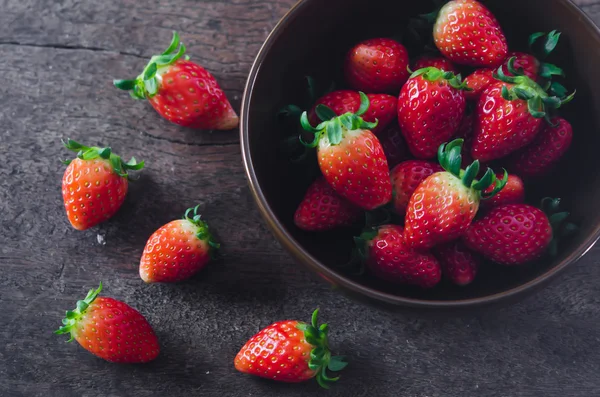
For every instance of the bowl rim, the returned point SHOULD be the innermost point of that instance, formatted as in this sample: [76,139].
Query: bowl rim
[337,278]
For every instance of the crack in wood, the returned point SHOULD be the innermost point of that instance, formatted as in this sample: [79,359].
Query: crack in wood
[71,47]
[180,142]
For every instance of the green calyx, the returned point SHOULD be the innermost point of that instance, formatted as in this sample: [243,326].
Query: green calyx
[434,74]
[72,316]
[558,220]
[333,126]
[90,153]
[541,45]
[192,215]
[147,83]
[321,359]
[539,103]
[450,158]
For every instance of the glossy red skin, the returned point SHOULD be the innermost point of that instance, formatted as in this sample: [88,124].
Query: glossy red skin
[502,127]
[467,33]
[357,168]
[439,211]
[512,193]
[511,234]
[174,253]
[323,209]
[459,264]
[478,81]
[406,177]
[382,107]
[278,352]
[394,145]
[92,192]
[429,114]
[545,151]
[441,63]
[377,65]
[190,96]
[527,62]
[390,259]
[116,332]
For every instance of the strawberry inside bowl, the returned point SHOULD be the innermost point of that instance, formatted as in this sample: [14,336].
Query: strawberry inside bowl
[347,44]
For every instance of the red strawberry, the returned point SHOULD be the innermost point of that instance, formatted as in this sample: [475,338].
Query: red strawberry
[513,193]
[94,184]
[431,107]
[406,177]
[377,65]
[465,131]
[351,157]
[545,151]
[182,91]
[509,116]
[467,33]
[290,351]
[111,330]
[323,209]
[478,81]
[389,258]
[530,64]
[459,264]
[438,62]
[394,146]
[511,234]
[527,63]
[383,107]
[444,205]
[177,250]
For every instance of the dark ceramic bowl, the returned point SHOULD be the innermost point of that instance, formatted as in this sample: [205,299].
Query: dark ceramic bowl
[312,40]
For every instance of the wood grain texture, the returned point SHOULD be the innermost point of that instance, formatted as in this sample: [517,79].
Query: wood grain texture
[58,59]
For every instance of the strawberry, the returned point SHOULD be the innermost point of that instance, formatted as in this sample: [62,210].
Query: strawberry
[525,64]
[350,156]
[382,109]
[465,131]
[444,205]
[513,193]
[111,330]
[545,151]
[406,177]
[389,258]
[182,91]
[478,81]
[531,65]
[377,65]
[178,250]
[431,107]
[323,209]
[515,234]
[459,264]
[94,184]
[509,116]
[394,146]
[438,62]
[290,351]
[467,33]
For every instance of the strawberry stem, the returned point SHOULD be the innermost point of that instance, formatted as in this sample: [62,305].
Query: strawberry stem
[72,316]
[192,215]
[434,74]
[90,153]
[557,218]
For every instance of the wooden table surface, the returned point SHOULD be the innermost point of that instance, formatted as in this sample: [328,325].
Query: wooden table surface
[57,60]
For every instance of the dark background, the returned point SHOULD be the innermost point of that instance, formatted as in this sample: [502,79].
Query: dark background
[57,60]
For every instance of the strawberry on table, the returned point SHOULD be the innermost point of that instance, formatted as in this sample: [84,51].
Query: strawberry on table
[467,33]
[513,192]
[182,91]
[111,330]
[94,184]
[382,107]
[406,177]
[350,156]
[431,107]
[545,151]
[389,258]
[178,250]
[323,209]
[459,264]
[439,62]
[444,205]
[290,351]
[377,65]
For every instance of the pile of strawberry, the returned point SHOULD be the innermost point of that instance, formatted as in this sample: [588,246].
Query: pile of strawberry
[450,158]
[94,187]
